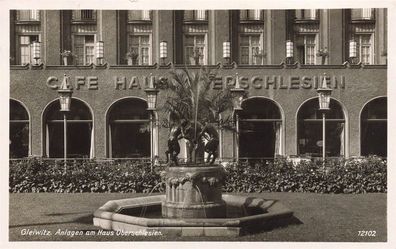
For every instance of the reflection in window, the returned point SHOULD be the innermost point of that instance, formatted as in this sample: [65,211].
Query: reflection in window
[260,129]
[19,130]
[128,129]
[374,128]
[310,125]
[79,131]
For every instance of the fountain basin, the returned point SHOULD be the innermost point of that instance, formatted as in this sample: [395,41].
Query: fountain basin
[242,214]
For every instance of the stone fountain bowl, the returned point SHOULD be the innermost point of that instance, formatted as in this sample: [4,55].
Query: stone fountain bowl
[244,214]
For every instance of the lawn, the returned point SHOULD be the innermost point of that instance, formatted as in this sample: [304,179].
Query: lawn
[321,217]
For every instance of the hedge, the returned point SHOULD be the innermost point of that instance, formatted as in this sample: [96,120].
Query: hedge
[340,176]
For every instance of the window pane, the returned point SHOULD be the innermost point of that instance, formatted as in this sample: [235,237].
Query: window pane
[189,40]
[244,40]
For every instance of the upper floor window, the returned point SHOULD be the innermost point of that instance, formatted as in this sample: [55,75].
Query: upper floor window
[306,48]
[84,49]
[139,52]
[364,50]
[139,15]
[195,49]
[250,49]
[250,15]
[307,14]
[25,48]
[28,15]
[84,15]
[362,14]
[195,15]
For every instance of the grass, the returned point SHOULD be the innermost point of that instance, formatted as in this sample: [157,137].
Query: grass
[323,217]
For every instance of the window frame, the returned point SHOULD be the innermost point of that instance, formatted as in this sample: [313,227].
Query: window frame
[84,50]
[297,46]
[205,53]
[251,56]
[360,48]
[30,19]
[150,47]
[19,54]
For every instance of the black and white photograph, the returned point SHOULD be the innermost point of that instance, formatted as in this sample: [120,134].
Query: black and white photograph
[136,121]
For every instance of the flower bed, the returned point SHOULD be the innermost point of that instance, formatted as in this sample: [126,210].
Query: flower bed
[341,176]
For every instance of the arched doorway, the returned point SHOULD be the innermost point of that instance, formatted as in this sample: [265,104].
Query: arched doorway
[373,131]
[310,129]
[259,129]
[79,130]
[19,130]
[129,129]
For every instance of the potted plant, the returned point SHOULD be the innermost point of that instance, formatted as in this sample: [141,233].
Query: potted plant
[132,57]
[323,52]
[65,55]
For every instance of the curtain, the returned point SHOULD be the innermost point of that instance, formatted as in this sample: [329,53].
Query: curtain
[92,147]
[278,135]
[46,140]
[342,139]
[110,143]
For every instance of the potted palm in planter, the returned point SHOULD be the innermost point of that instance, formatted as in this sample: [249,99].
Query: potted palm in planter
[132,57]
[66,54]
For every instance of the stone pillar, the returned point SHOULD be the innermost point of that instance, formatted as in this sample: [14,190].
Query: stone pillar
[276,36]
[51,37]
[335,33]
[163,29]
[107,32]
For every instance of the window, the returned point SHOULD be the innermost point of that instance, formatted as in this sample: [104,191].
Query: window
[250,49]
[306,49]
[84,15]
[310,125]
[253,15]
[19,130]
[364,48]
[307,14]
[25,48]
[129,129]
[362,14]
[260,129]
[195,15]
[84,48]
[373,130]
[28,15]
[139,50]
[79,131]
[195,49]
[139,15]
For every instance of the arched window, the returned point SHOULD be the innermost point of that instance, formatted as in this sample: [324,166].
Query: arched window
[373,128]
[19,130]
[79,131]
[310,129]
[129,129]
[260,129]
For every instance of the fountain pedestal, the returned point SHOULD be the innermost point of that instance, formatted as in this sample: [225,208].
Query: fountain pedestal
[194,192]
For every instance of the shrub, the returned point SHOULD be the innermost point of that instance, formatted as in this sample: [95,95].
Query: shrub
[35,175]
[334,176]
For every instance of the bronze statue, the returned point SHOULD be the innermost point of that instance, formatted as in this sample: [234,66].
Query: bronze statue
[210,133]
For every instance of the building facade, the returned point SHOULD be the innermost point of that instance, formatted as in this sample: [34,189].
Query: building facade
[280,58]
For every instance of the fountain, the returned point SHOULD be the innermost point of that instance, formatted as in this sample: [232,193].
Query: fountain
[193,204]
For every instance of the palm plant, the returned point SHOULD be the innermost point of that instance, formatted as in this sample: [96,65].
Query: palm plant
[191,100]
